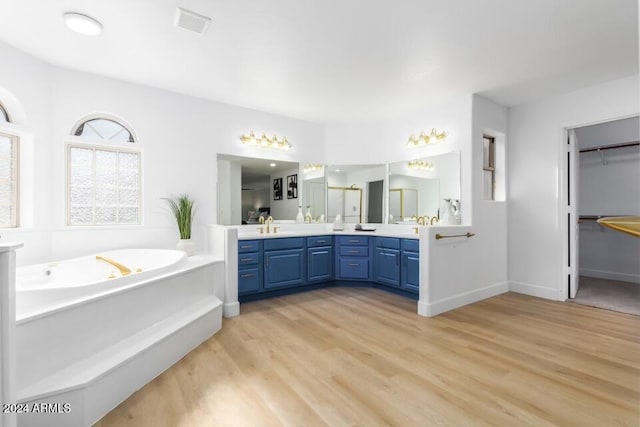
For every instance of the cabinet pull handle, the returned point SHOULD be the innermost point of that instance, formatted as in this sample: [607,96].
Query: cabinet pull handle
[353,264]
[245,259]
[354,241]
[321,241]
[267,261]
[245,246]
[244,276]
[353,252]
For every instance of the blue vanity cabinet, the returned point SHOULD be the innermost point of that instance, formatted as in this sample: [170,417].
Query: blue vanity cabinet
[249,266]
[319,259]
[410,265]
[284,262]
[387,261]
[352,258]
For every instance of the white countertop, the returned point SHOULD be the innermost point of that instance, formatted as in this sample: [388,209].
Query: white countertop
[403,234]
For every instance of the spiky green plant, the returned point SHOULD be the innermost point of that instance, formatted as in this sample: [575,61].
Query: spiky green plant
[182,209]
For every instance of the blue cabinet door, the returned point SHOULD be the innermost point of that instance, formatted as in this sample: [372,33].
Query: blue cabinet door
[387,266]
[319,264]
[411,271]
[284,268]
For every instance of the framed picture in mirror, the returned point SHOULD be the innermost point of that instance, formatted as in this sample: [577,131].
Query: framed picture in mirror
[292,186]
[277,189]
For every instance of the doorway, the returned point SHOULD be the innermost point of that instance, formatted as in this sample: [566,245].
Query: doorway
[374,204]
[603,169]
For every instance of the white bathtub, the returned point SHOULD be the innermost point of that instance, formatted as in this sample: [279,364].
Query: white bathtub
[91,341]
[53,284]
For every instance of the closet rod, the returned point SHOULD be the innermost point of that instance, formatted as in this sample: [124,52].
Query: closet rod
[612,146]
[596,217]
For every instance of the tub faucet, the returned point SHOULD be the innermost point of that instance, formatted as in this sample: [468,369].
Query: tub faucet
[125,271]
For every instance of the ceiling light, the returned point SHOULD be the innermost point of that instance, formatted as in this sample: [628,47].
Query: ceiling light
[82,24]
[273,165]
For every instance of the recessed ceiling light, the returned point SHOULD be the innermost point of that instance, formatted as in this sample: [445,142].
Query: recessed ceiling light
[337,170]
[82,24]
[273,165]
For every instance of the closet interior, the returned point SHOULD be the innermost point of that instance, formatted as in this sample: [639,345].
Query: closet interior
[608,181]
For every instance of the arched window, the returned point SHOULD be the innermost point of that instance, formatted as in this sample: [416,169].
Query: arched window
[4,116]
[104,176]
[103,128]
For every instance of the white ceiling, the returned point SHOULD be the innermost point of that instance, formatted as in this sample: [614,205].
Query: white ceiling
[337,60]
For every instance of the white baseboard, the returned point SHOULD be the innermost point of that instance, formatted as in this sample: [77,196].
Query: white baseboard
[456,301]
[611,275]
[534,290]
[231,309]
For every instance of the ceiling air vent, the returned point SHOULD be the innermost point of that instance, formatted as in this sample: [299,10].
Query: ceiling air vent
[192,21]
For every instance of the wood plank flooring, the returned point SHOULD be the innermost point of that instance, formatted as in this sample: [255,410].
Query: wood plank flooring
[349,356]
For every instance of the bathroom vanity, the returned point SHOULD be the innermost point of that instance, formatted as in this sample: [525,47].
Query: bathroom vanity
[271,266]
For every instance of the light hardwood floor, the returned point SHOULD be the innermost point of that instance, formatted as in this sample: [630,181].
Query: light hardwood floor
[344,356]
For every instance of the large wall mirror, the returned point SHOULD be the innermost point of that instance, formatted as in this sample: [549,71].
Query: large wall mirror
[419,187]
[249,188]
[314,191]
[356,192]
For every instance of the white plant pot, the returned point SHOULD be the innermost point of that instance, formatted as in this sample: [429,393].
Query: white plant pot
[187,246]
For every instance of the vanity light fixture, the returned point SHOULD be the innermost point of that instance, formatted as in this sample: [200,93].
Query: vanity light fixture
[424,139]
[82,24]
[420,165]
[264,141]
[311,167]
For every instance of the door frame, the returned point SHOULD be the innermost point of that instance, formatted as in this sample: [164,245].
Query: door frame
[563,179]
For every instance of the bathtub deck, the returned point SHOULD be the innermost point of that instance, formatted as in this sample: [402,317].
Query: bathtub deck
[83,373]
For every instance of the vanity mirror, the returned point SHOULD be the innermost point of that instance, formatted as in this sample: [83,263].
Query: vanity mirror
[419,187]
[356,192]
[313,191]
[249,188]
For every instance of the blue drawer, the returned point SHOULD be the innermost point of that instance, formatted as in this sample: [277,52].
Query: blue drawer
[248,246]
[354,268]
[288,243]
[388,242]
[354,250]
[353,240]
[319,241]
[411,245]
[249,280]
[248,259]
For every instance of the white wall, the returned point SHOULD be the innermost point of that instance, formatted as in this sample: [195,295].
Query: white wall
[180,136]
[464,270]
[609,188]
[536,171]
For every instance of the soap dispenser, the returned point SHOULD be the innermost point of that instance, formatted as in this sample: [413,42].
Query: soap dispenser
[448,217]
[299,217]
[337,224]
[457,216]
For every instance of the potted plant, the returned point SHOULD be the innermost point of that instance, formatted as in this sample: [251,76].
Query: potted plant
[182,209]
